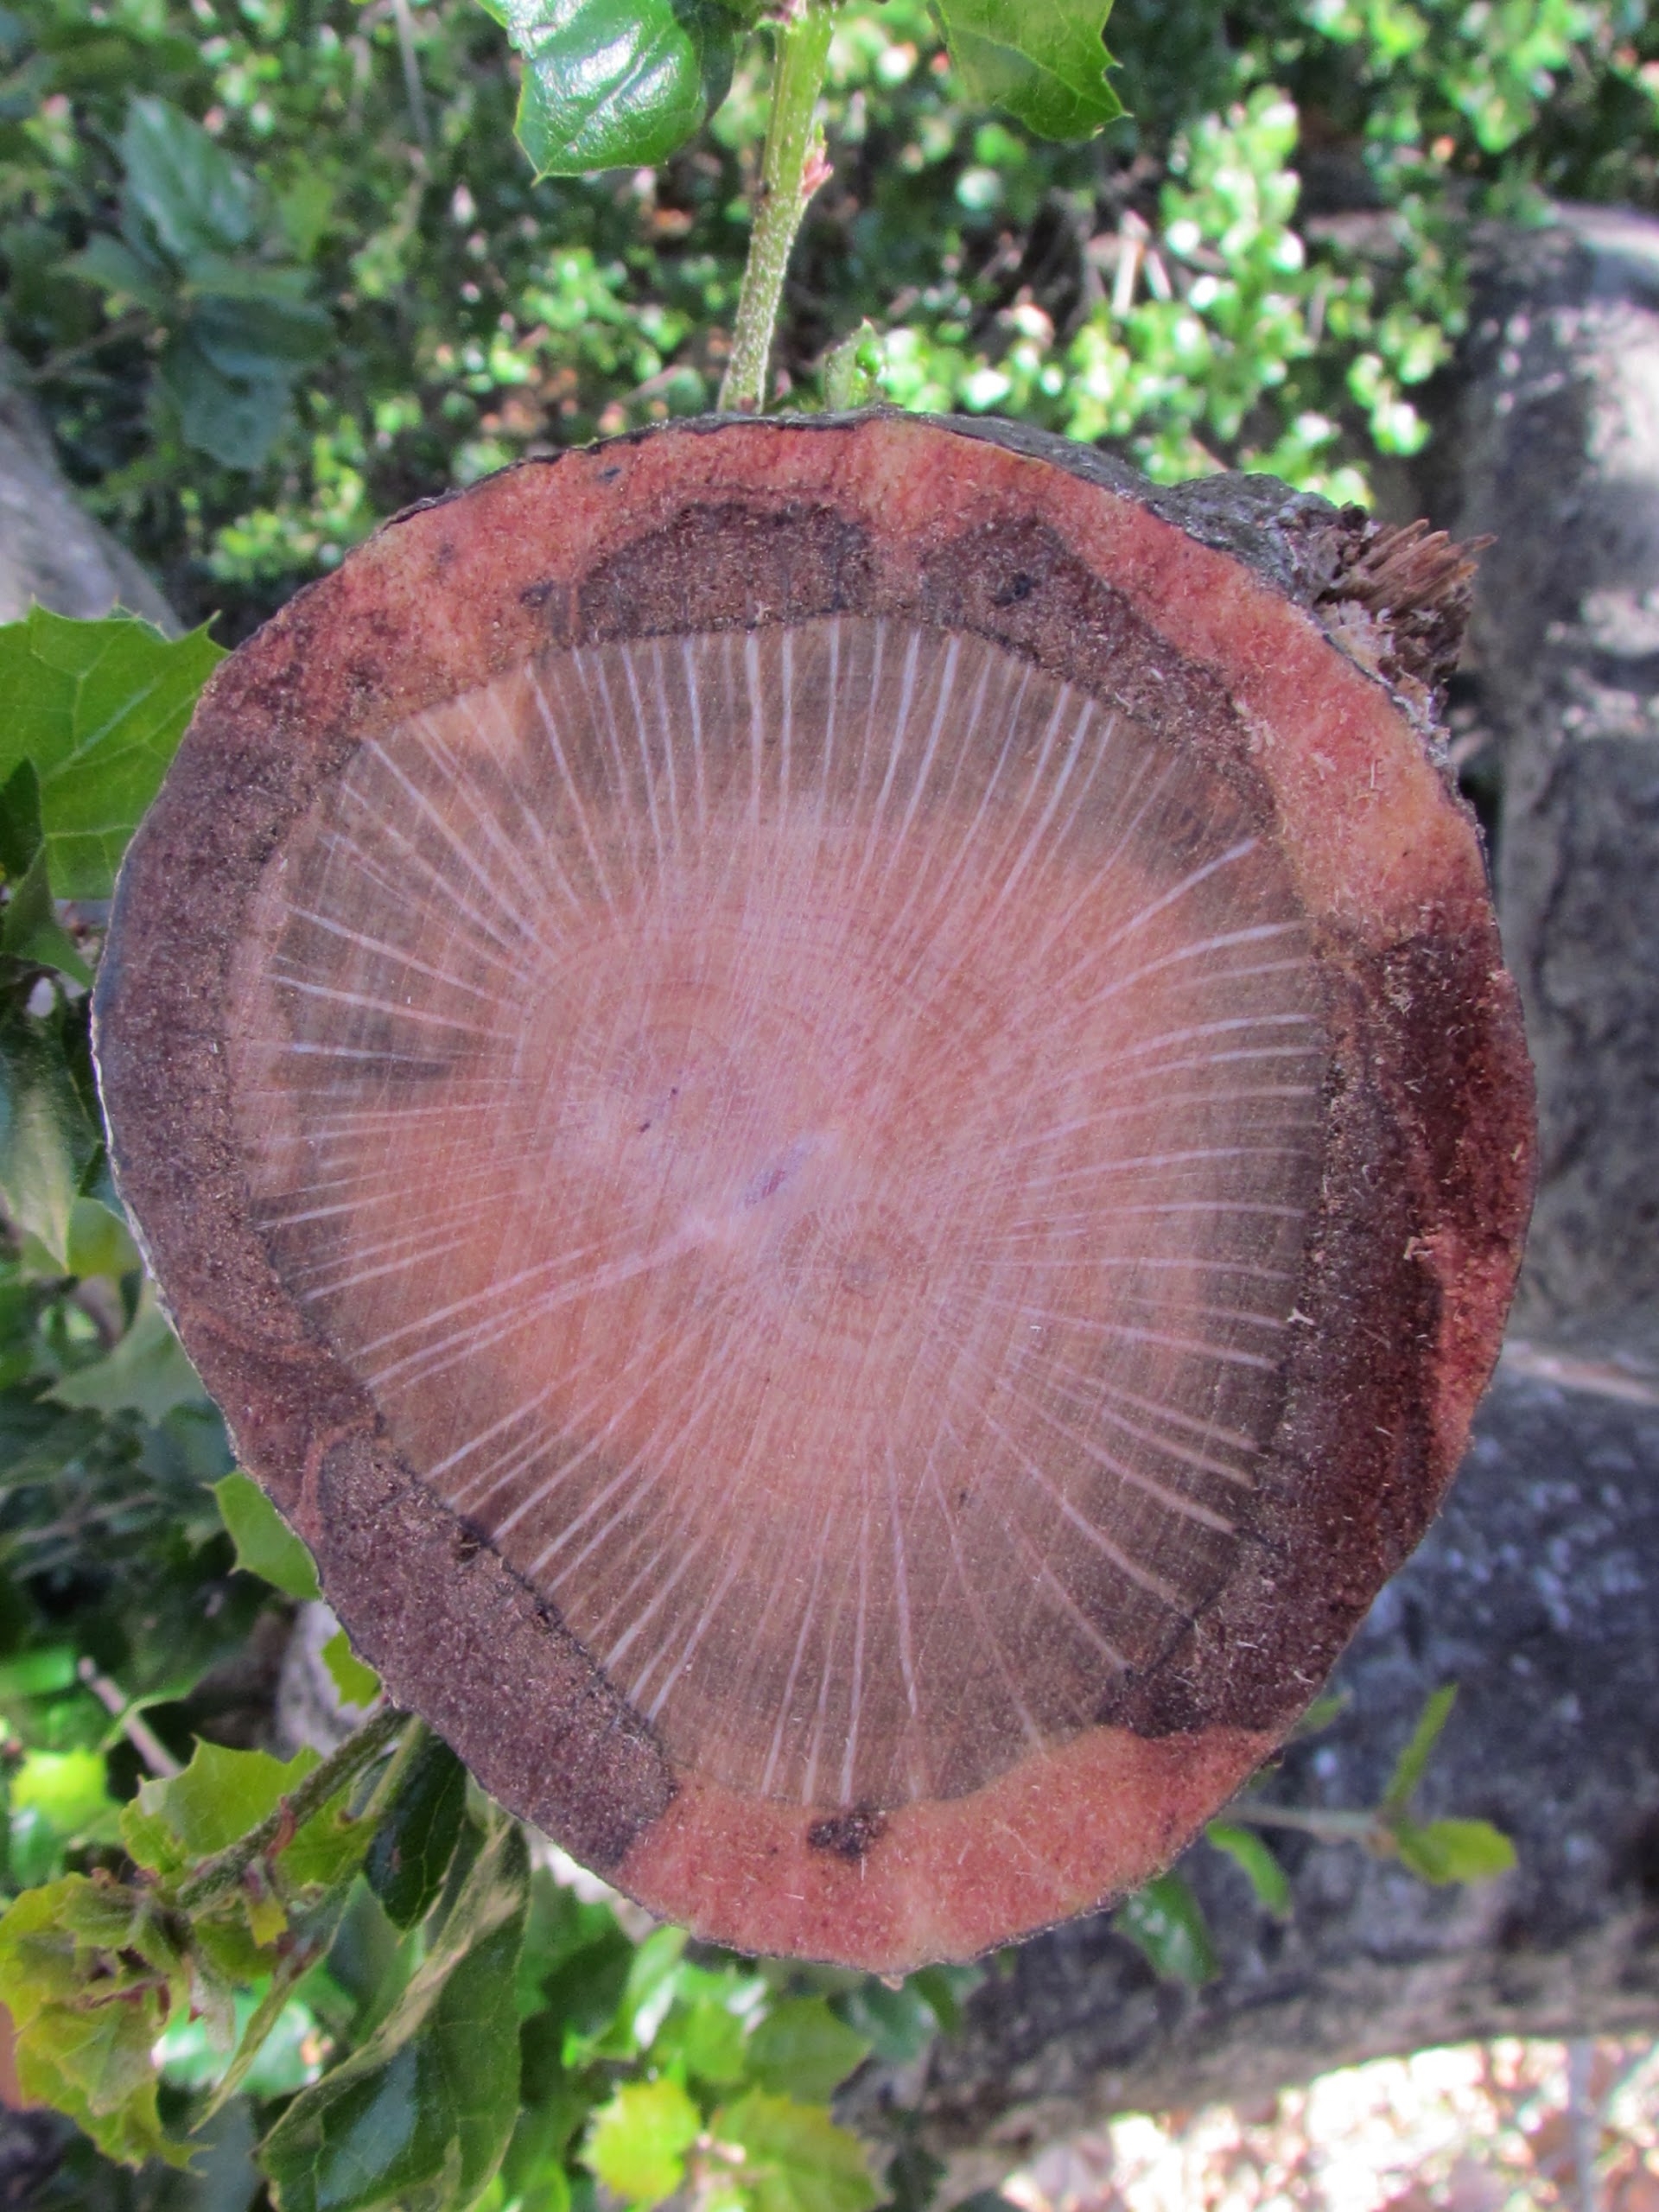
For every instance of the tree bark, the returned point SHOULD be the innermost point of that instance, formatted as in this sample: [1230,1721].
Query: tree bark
[1537,1591]
[50,549]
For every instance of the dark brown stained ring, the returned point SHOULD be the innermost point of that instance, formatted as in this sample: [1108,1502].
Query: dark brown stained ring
[1411,1231]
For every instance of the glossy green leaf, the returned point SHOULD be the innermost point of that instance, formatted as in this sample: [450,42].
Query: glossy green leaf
[795,2157]
[802,2049]
[48,1140]
[1166,1923]
[1454,1851]
[416,1840]
[99,708]
[146,1373]
[193,197]
[1253,1856]
[615,83]
[1043,60]
[419,2115]
[265,1545]
[637,2142]
[1410,1767]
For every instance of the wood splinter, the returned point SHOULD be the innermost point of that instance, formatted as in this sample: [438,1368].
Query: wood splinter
[835,1106]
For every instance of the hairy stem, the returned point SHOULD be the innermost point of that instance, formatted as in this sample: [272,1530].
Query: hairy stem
[792,170]
[226,1869]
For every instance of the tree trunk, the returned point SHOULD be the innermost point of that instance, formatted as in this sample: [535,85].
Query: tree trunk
[50,549]
[1538,1589]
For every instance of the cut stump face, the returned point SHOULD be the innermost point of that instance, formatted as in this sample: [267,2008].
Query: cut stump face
[839,1118]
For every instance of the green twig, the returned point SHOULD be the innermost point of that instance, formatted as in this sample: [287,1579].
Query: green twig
[342,1766]
[1329,1827]
[792,170]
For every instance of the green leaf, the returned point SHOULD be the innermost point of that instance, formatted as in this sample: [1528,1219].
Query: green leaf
[220,1796]
[611,84]
[99,708]
[1043,60]
[234,420]
[48,1140]
[1251,1854]
[1166,1923]
[115,267]
[1410,1767]
[1454,1851]
[802,2048]
[147,1373]
[416,1840]
[193,196]
[705,2037]
[19,820]
[31,932]
[265,1545]
[357,1684]
[796,2159]
[85,2020]
[897,2024]
[67,1788]
[637,2142]
[419,2115]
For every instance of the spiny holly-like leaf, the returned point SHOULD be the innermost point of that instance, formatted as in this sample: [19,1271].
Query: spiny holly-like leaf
[99,708]
[795,2157]
[220,1796]
[1043,60]
[615,83]
[420,2115]
[265,1545]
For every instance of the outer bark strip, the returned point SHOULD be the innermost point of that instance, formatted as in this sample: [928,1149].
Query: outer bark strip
[1213,620]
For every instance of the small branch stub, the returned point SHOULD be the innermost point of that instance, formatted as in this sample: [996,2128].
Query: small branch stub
[852,1150]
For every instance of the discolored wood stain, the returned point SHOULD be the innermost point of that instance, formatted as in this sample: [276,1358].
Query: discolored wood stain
[841,1119]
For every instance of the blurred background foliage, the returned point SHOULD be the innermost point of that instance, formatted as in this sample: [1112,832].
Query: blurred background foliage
[275,268]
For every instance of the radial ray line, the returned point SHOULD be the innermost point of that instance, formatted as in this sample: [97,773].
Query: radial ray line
[341,841]
[442,757]
[552,860]
[1143,1577]
[382,949]
[550,730]
[457,844]
[975,1603]
[332,993]
[1046,1576]
[856,1707]
[819,1553]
